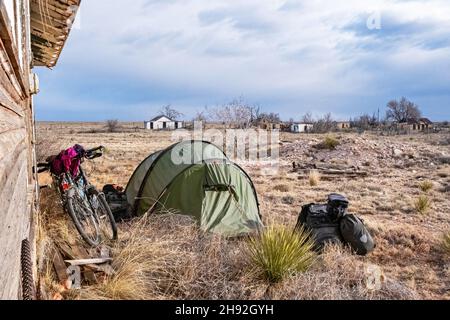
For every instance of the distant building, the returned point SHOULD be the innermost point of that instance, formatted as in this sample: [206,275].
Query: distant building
[421,125]
[302,127]
[266,124]
[163,123]
[342,125]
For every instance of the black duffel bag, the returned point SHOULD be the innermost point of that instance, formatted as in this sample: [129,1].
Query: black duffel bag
[323,226]
[355,234]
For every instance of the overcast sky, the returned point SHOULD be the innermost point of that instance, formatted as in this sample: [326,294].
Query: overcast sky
[125,59]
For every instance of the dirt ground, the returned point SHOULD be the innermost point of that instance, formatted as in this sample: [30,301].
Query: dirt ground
[409,244]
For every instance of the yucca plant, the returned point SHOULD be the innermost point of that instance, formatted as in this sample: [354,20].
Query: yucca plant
[426,186]
[278,252]
[422,204]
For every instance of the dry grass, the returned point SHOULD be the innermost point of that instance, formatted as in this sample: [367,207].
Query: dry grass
[283,187]
[314,178]
[339,275]
[329,143]
[422,204]
[446,242]
[426,186]
[168,257]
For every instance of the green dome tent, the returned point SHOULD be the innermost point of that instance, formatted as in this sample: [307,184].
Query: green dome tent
[196,178]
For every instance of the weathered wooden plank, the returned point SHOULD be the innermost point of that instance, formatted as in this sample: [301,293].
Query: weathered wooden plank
[82,253]
[8,45]
[14,225]
[8,143]
[59,266]
[83,262]
[9,120]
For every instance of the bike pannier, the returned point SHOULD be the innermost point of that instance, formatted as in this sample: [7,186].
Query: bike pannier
[356,235]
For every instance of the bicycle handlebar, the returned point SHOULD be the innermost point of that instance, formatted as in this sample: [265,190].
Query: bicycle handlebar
[89,154]
[43,167]
[94,153]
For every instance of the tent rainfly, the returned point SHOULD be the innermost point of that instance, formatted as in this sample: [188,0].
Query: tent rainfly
[196,178]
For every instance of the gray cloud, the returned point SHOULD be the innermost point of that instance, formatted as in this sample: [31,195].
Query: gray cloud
[292,56]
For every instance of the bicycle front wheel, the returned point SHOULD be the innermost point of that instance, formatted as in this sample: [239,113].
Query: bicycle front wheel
[105,218]
[83,217]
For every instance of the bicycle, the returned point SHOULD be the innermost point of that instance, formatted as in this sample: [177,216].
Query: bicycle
[86,206]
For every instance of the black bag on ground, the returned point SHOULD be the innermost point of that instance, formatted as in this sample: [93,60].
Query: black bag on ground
[117,201]
[355,233]
[323,227]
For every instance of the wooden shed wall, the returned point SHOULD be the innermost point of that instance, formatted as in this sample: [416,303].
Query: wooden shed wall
[16,153]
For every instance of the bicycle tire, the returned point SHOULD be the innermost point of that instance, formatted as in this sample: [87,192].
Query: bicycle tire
[72,208]
[28,288]
[109,215]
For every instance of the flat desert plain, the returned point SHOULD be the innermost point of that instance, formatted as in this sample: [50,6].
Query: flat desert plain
[387,179]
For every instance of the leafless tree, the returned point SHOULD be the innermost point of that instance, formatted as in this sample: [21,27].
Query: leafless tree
[271,117]
[170,112]
[255,113]
[237,114]
[112,125]
[202,115]
[365,122]
[308,118]
[324,124]
[403,110]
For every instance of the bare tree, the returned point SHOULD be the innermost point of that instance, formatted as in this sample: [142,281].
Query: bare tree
[112,125]
[202,116]
[324,124]
[271,117]
[255,113]
[308,118]
[365,122]
[170,112]
[403,110]
[237,114]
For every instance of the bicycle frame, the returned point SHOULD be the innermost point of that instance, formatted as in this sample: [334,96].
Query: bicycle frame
[66,182]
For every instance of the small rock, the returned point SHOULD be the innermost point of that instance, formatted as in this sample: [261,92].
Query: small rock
[397,152]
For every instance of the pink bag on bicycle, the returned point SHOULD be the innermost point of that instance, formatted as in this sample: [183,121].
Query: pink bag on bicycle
[67,161]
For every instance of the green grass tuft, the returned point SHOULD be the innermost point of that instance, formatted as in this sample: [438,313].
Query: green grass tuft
[446,242]
[278,252]
[422,204]
[426,186]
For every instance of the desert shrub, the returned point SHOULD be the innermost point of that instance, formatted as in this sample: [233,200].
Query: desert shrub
[446,242]
[278,252]
[314,178]
[422,204]
[282,188]
[112,125]
[329,143]
[426,186]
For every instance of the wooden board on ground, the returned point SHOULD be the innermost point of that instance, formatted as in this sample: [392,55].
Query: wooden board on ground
[60,266]
[84,262]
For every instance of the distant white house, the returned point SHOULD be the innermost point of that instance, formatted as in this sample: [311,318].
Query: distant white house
[301,127]
[163,123]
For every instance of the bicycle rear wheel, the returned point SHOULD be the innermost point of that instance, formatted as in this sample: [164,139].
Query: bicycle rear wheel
[104,216]
[83,217]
